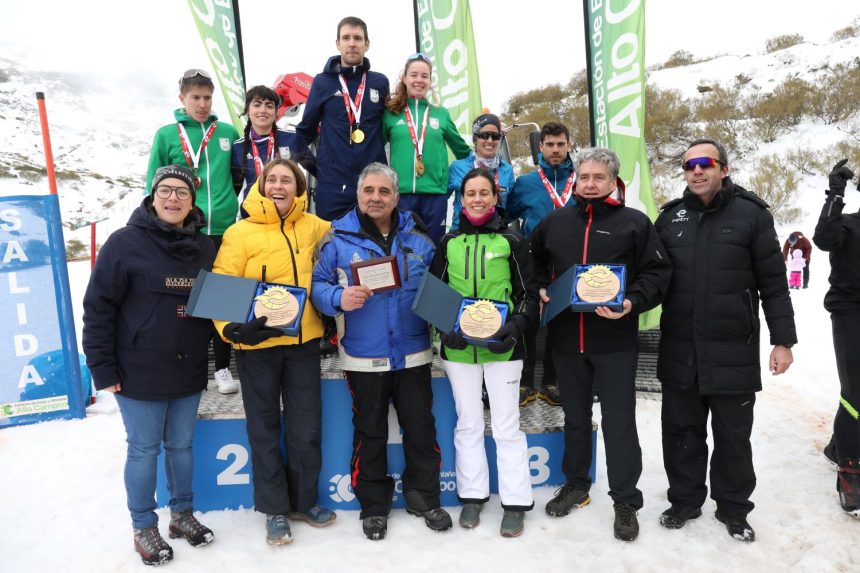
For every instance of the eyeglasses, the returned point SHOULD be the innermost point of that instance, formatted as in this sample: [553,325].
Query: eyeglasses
[703,162]
[193,73]
[419,56]
[165,191]
[494,135]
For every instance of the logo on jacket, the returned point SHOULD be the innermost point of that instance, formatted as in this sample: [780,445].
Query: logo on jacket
[340,488]
[182,311]
[179,282]
[374,95]
[434,123]
[224,142]
[338,93]
[400,122]
[284,152]
[681,216]
[356,258]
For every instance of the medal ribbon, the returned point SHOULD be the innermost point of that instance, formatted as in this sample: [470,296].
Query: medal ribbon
[270,152]
[417,142]
[194,159]
[353,109]
[558,201]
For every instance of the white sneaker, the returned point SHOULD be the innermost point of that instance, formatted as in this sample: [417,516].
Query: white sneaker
[226,384]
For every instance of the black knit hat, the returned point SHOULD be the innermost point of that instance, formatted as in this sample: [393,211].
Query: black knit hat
[177,171]
[486,119]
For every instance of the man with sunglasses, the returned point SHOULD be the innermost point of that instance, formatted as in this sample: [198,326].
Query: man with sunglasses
[197,139]
[344,109]
[727,261]
[486,136]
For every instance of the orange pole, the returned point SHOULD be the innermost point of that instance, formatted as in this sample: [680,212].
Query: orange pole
[46,140]
[92,246]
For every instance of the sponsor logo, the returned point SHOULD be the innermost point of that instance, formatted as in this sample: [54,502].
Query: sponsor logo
[492,255]
[42,405]
[681,216]
[178,282]
[224,142]
[374,95]
[340,488]
[434,123]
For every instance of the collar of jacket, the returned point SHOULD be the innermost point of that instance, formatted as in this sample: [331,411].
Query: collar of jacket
[370,228]
[180,242]
[721,199]
[182,117]
[262,210]
[563,169]
[494,225]
[332,66]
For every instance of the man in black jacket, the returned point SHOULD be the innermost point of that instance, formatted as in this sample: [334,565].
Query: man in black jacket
[600,348]
[724,249]
[840,235]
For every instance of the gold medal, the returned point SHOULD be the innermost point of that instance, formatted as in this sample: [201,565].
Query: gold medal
[419,167]
[357,136]
[197,182]
[481,319]
[598,284]
[278,304]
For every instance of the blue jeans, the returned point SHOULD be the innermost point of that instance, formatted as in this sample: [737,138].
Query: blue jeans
[148,423]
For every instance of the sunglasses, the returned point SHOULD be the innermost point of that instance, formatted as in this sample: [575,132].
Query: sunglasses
[494,135]
[193,73]
[165,191]
[419,56]
[703,162]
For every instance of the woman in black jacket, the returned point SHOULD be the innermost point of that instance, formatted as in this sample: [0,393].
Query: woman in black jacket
[142,346]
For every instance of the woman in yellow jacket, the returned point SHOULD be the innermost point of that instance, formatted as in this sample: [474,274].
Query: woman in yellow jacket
[280,236]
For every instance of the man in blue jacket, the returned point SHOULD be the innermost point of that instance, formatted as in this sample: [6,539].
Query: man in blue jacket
[384,349]
[345,105]
[534,196]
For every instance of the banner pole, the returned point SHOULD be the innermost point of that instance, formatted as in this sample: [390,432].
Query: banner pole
[587,22]
[46,141]
[239,43]
[417,32]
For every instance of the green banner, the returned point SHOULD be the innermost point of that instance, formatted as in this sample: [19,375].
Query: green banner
[616,67]
[444,32]
[217,26]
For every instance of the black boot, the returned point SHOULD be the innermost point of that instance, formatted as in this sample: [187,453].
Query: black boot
[436,518]
[830,451]
[848,486]
[738,527]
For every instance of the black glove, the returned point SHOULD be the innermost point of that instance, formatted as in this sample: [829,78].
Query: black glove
[454,340]
[839,178]
[507,336]
[238,179]
[251,333]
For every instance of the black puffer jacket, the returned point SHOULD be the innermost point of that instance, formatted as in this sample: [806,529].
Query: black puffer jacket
[601,232]
[840,235]
[726,258]
[136,332]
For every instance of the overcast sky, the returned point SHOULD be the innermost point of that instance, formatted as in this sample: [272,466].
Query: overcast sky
[520,45]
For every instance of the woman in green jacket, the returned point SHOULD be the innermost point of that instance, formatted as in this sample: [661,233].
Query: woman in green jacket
[419,134]
[483,259]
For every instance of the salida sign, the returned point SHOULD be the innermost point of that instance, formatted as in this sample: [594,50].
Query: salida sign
[41,377]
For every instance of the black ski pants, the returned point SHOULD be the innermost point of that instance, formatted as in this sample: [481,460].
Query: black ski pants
[410,391]
[613,374]
[528,375]
[221,350]
[685,450]
[846,426]
[268,375]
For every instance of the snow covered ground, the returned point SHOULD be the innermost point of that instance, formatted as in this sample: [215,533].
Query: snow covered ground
[64,506]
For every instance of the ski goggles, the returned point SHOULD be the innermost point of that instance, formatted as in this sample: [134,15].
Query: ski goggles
[703,162]
[494,135]
[193,73]
[419,56]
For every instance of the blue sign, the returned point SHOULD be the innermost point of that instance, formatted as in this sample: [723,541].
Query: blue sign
[222,456]
[41,375]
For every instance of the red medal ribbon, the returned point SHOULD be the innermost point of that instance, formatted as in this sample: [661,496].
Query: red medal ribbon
[194,159]
[418,143]
[270,152]
[558,201]
[353,109]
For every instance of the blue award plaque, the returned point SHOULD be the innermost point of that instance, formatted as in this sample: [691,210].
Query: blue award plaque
[282,304]
[598,285]
[479,319]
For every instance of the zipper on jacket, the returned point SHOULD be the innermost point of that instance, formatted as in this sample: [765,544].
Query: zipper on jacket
[590,212]
[752,314]
[466,260]
[406,252]
[295,269]
[475,267]
[483,259]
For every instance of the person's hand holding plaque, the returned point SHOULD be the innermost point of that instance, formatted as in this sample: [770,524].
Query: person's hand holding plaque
[605,312]
[353,297]
[453,340]
[250,333]
[507,335]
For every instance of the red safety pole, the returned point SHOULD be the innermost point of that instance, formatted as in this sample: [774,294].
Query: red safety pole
[46,140]
[92,246]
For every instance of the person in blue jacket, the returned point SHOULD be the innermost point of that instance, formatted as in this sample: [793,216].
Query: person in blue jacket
[269,141]
[486,135]
[345,105]
[143,347]
[534,196]
[384,349]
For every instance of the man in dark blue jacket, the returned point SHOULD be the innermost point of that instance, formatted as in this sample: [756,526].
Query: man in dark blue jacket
[384,349]
[345,104]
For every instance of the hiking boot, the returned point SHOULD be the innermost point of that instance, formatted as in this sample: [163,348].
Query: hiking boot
[184,524]
[226,383]
[153,549]
[436,518]
[550,395]
[375,527]
[316,516]
[470,515]
[738,527]
[527,394]
[830,451]
[848,486]
[676,516]
[626,525]
[513,523]
[566,498]
[278,530]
